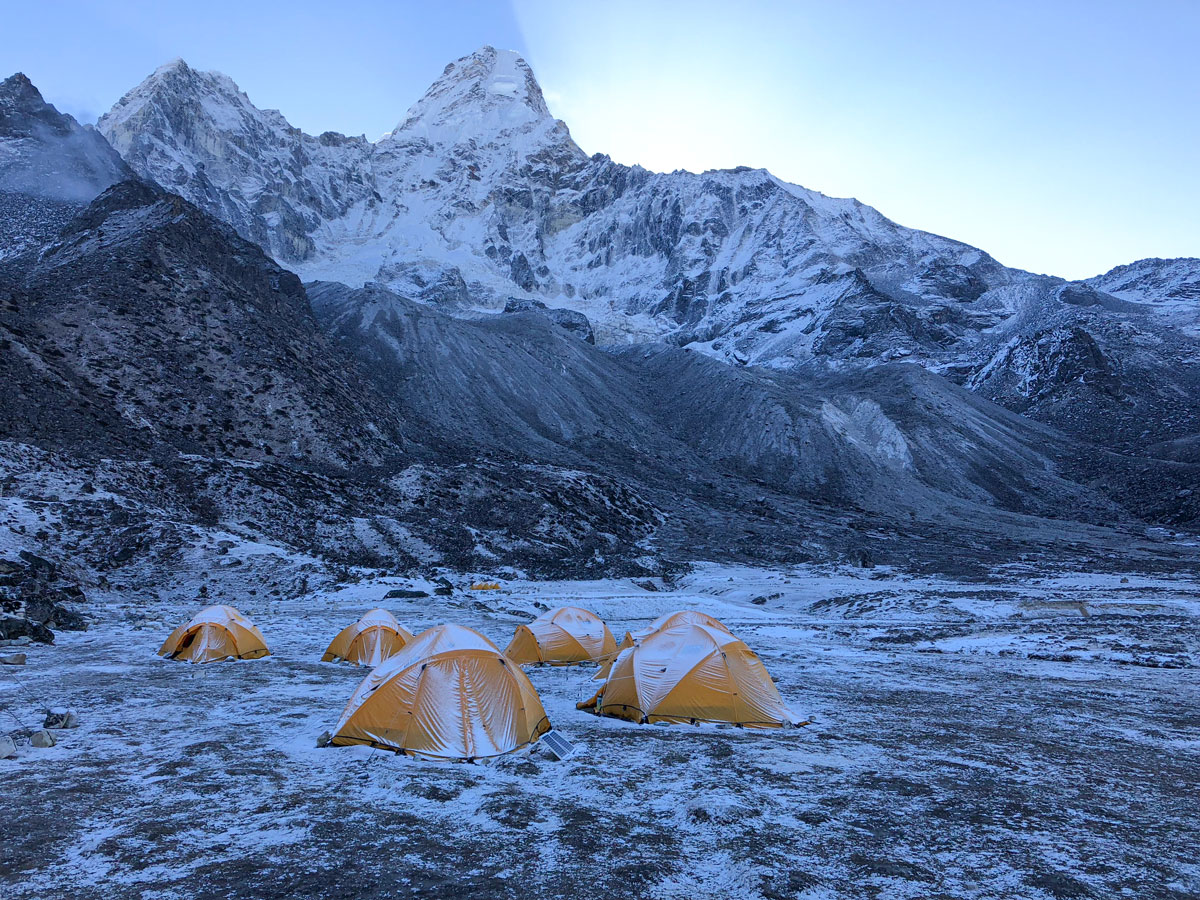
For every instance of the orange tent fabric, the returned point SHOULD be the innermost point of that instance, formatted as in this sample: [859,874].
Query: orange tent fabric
[686,617]
[679,617]
[218,632]
[691,673]
[369,641]
[447,694]
[561,637]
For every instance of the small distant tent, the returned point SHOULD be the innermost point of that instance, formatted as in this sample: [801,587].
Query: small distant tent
[447,694]
[561,637]
[218,632]
[667,620]
[691,673]
[369,641]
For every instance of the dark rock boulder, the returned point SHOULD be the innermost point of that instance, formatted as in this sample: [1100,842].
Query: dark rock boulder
[404,594]
[569,320]
[15,627]
[40,609]
[69,620]
[37,565]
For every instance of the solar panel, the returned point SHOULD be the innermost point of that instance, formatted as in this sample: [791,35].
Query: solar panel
[560,748]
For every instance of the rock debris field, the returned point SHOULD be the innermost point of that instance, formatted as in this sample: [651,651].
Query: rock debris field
[1016,736]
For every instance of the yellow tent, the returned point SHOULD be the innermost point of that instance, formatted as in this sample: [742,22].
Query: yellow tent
[369,641]
[218,632]
[691,673]
[447,694]
[686,617]
[560,637]
[679,617]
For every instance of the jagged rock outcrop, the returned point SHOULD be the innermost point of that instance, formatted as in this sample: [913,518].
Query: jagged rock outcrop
[575,323]
[50,166]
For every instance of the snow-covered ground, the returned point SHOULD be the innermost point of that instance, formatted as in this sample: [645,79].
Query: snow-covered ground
[1020,737]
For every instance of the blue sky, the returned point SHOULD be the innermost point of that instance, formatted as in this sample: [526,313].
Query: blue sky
[1060,136]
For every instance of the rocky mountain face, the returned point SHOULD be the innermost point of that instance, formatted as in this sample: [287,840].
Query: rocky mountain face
[456,407]
[173,326]
[1155,281]
[479,199]
[50,167]
[202,138]
[183,372]
[479,196]
[1121,373]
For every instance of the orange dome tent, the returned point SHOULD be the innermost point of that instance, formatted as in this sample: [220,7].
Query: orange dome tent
[218,632]
[447,694]
[369,641]
[667,620]
[691,673]
[560,637]
[686,617]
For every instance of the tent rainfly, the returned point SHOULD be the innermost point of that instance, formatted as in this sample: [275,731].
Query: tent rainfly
[369,641]
[447,694]
[218,632]
[562,637]
[667,620]
[691,673]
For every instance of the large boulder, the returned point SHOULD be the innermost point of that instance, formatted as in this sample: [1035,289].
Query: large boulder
[14,627]
[39,608]
[69,620]
[38,565]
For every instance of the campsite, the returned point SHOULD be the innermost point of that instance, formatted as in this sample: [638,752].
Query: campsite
[549,451]
[993,710]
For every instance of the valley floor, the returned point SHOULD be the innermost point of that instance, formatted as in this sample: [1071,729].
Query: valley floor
[1020,736]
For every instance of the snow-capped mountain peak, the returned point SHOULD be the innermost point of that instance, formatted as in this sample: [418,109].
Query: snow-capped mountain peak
[480,198]
[191,104]
[201,137]
[484,96]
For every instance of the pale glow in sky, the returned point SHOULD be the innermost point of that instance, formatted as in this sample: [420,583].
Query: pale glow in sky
[1060,136]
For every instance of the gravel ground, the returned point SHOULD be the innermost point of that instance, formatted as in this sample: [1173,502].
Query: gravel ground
[1022,736]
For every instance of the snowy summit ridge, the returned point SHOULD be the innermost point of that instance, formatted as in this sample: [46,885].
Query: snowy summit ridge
[488,96]
[480,200]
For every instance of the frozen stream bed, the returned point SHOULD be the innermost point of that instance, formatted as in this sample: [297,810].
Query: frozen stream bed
[1020,737]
